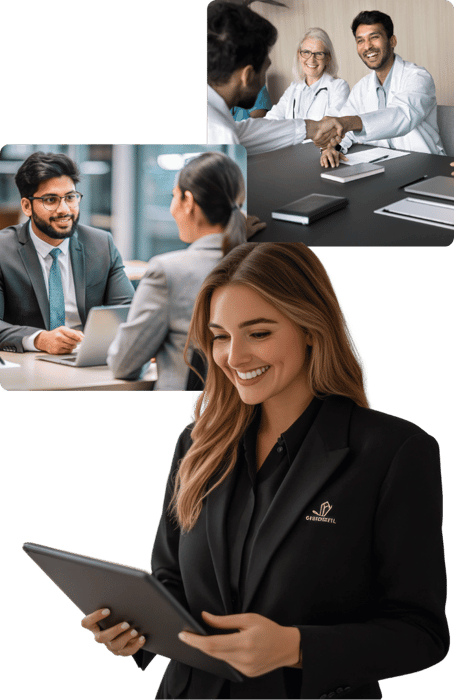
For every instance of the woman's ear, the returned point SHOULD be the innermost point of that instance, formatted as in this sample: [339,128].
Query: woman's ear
[188,202]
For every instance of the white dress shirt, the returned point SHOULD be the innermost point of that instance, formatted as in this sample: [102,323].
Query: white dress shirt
[256,135]
[72,318]
[303,101]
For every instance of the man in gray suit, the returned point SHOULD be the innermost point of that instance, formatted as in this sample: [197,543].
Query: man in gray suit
[53,270]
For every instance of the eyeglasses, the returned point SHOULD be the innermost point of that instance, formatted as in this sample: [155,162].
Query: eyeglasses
[318,54]
[51,202]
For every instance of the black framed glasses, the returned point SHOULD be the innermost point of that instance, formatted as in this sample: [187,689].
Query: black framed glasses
[51,202]
[318,54]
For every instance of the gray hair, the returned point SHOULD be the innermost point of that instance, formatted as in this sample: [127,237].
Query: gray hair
[320,34]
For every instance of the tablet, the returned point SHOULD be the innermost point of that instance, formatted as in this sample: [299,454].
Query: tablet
[132,595]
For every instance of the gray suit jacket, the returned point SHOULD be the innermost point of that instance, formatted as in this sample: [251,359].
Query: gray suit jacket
[160,314]
[99,279]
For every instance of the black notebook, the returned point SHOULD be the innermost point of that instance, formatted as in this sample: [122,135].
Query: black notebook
[309,208]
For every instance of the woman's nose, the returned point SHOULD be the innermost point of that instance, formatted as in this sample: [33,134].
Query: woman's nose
[239,353]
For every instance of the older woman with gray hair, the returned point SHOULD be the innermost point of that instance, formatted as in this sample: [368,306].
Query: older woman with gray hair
[317,91]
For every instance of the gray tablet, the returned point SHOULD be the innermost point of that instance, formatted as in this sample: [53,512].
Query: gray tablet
[131,595]
[440,186]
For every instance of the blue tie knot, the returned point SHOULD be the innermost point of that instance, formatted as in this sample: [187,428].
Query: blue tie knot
[54,253]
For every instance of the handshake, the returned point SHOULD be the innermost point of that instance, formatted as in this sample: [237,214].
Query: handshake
[330,131]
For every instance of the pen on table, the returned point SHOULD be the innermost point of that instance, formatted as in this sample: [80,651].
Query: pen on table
[294,103]
[2,361]
[407,184]
[377,159]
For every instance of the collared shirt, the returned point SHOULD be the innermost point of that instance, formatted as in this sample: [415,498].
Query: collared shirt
[43,249]
[252,496]
[256,135]
[382,94]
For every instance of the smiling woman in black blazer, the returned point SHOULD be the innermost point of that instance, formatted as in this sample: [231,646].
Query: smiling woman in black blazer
[294,514]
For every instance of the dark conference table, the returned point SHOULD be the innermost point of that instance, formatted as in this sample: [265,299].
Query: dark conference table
[280,177]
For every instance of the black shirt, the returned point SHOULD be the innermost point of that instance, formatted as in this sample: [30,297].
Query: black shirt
[252,495]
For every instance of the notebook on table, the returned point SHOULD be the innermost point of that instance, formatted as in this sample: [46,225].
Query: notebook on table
[347,173]
[310,208]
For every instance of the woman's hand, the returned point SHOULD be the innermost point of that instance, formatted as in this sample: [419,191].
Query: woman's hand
[253,225]
[120,639]
[331,157]
[259,646]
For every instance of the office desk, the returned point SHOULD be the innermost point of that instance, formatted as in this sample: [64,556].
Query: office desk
[279,177]
[35,375]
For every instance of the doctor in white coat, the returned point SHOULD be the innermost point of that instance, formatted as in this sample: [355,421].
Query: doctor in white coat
[316,90]
[239,41]
[396,100]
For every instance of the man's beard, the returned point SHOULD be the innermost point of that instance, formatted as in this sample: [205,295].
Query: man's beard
[51,232]
[386,56]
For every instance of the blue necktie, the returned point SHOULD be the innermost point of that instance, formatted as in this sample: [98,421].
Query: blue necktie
[56,297]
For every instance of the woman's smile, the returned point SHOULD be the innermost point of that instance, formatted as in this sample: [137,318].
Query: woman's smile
[259,349]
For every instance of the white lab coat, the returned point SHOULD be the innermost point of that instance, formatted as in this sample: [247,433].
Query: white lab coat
[257,135]
[327,96]
[410,117]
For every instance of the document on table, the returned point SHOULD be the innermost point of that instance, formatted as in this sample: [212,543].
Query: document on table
[5,364]
[373,154]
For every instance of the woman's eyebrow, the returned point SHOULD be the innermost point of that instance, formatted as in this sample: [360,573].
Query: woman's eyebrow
[252,322]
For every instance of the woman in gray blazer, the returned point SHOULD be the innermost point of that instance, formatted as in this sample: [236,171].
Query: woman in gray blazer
[206,206]
[295,516]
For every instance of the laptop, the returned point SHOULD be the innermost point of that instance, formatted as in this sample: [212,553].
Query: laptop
[440,186]
[100,330]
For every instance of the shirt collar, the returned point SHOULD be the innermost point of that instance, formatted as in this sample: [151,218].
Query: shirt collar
[387,82]
[293,436]
[218,102]
[211,240]
[44,248]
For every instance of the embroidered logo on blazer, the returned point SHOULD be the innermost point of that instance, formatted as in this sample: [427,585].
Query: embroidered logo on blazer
[324,510]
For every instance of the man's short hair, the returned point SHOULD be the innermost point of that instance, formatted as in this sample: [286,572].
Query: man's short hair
[237,37]
[43,166]
[374,17]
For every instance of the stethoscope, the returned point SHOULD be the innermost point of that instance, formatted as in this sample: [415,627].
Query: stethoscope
[313,100]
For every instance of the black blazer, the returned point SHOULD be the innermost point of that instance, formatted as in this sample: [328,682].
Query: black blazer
[350,552]
[99,279]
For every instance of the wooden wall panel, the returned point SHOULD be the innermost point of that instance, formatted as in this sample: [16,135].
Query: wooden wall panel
[424,31]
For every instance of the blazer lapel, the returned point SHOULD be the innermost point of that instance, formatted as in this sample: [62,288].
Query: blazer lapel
[323,450]
[78,265]
[29,256]
[216,514]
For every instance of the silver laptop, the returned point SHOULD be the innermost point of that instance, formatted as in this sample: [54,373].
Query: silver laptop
[100,329]
[440,186]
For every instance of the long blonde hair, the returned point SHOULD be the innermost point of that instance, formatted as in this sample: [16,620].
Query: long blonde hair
[291,278]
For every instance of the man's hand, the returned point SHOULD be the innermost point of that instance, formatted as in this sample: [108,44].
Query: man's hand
[253,225]
[121,639]
[258,645]
[60,341]
[329,131]
[331,157]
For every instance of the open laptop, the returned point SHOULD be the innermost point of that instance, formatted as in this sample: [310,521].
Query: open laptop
[99,332]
